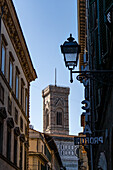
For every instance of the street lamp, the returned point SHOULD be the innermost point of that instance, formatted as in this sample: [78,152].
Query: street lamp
[70,50]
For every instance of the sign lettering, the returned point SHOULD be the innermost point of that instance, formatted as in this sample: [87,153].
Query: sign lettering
[88,140]
[87,103]
[87,130]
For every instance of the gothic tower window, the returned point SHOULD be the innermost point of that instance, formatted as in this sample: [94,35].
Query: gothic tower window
[47,118]
[59,117]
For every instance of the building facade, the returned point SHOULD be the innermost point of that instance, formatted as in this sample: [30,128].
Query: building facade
[99,86]
[43,153]
[16,73]
[56,123]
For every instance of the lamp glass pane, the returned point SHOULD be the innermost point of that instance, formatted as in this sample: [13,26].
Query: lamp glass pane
[70,59]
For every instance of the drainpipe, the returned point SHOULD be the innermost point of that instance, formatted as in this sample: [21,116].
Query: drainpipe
[99,38]
[90,83]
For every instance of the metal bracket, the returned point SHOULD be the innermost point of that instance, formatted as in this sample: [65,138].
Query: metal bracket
[102,76]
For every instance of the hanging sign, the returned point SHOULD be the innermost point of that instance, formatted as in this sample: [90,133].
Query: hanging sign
[86,114]
[87,130]
[87,104]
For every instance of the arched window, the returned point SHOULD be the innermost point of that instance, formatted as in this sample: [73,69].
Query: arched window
[47,118]
[59,118]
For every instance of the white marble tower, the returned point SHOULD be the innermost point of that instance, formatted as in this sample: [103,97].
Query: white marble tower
[55,110]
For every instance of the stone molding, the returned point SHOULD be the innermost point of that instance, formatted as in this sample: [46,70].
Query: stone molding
[14,30]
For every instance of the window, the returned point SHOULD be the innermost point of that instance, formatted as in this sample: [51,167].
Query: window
[65,152]
[47,118]
[1,94]
[25,130]
[1,136]
[8,142]
[26,103]
[3,59]
[15,149]
[16,116]
[65,146]
[22,93]
[21,153]
[11,60]
[25,160]
[59,118]
[39,165]
[37,145]
[10,73]
[21,123]
[9,106]
[17,83]
[72,147]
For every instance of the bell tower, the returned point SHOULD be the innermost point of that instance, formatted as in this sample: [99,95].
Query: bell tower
[55,110]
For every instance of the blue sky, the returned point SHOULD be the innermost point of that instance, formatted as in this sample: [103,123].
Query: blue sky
[46,24]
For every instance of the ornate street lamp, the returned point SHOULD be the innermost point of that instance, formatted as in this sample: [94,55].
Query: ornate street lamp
[70,50]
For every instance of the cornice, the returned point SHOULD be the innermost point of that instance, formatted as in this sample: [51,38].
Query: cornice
[14,30]
[81,27]
[55,89]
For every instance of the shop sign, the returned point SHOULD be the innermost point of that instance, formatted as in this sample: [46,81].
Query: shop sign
[86,114]
[87,130]
[88,140]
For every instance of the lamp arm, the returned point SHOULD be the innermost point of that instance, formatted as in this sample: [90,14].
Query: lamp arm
[71,76]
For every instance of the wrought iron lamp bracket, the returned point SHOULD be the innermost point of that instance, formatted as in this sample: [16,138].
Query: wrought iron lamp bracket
[102,76]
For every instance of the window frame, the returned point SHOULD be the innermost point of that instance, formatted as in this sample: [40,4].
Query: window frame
[59,115]
[15,148]
[26,130]
[26,103]
[21,155]
[16,116]
[17,85]
[21,123]
[3,70]
[1,93]
[11,61]
[47,118]
[25,157]
[9,106]
[22,93]
[1,136]
[8,142]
